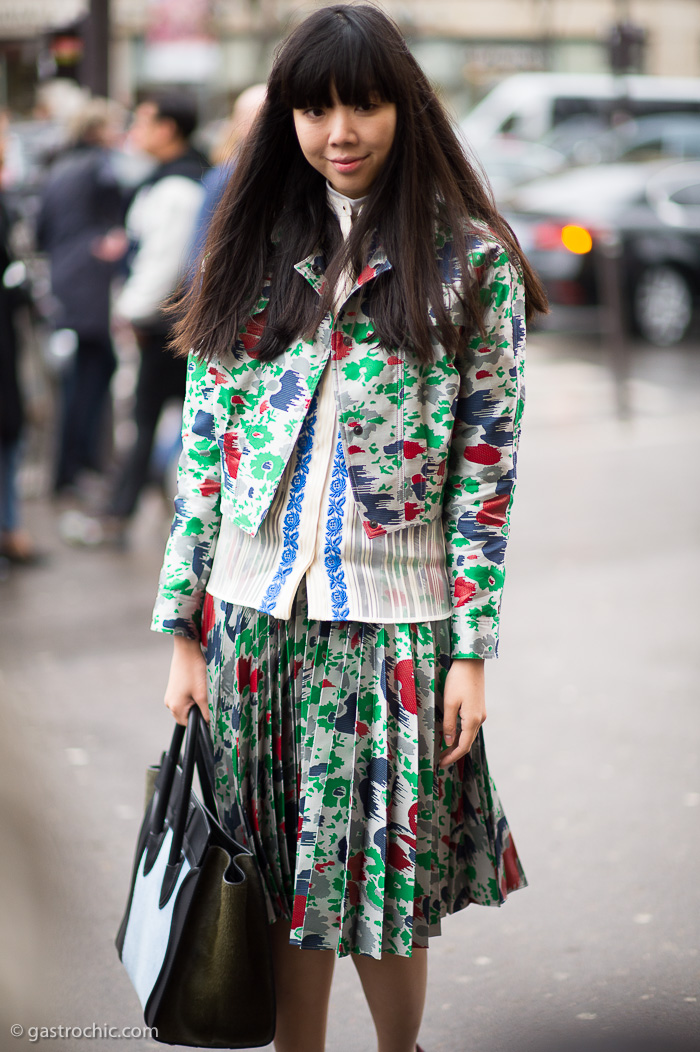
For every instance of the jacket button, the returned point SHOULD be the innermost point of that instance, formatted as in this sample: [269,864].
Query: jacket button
[357,429]
[373,524]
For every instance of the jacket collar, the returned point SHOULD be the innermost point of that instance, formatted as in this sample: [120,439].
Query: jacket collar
[313,268]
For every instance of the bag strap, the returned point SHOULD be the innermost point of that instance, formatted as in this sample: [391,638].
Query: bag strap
[167,773]
[205,769]
[183,803]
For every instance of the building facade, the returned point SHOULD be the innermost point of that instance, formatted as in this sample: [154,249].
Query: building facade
[220,46]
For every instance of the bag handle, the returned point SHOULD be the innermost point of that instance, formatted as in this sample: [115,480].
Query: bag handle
[168,765]
[205,768]
[182,810]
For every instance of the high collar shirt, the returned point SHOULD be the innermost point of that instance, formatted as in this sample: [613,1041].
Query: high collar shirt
[385,481]
[313,529]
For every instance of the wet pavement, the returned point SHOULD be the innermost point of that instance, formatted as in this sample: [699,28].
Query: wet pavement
[593,739]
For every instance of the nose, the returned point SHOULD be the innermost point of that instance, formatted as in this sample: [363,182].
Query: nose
[342,128]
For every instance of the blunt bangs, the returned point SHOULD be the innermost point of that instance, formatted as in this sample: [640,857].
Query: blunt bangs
[339,52]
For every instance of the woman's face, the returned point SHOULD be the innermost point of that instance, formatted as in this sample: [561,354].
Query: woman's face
[347,144]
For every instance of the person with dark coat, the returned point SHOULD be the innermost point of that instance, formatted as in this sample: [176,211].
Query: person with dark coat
[80,227]
[16,546]
[160,225]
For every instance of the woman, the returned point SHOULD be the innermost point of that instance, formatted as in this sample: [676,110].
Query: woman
[354,398]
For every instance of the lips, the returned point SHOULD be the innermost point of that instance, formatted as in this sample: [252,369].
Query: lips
[346,164]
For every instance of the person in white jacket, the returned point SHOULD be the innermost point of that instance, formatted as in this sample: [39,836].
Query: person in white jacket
[160,225]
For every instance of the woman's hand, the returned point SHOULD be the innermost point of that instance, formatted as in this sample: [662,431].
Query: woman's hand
[465,696]
[187,683]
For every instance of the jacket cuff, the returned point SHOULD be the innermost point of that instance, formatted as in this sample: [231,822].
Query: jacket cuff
[473,637]
[178,615]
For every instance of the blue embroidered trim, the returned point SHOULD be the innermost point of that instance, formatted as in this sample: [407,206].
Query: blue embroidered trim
[334,529]
[290,530]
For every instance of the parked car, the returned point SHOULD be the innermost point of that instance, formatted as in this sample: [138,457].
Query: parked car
[586,140]
[647,214]
[529,105]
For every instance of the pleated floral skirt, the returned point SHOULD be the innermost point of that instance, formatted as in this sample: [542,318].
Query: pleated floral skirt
[327,737]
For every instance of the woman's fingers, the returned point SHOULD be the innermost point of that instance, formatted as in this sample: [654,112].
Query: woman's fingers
[464,697]
[449,721]
[187,684]
[461,747]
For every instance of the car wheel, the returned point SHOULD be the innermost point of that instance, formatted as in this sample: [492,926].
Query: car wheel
[663,305]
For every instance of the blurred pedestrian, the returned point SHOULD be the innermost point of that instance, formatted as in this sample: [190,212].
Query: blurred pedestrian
[16,545]
[160,225]
[334,571]
[224,156]
[80,227]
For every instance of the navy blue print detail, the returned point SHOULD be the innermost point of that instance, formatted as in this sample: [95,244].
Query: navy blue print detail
[290,530]
[334,528]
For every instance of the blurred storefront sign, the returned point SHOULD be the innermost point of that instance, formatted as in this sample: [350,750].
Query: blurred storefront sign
[25,18]
[179,44]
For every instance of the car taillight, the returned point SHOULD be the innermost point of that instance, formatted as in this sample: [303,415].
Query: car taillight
[577,239]
[550,237]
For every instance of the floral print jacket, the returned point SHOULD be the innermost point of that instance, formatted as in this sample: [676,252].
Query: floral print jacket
[420,440]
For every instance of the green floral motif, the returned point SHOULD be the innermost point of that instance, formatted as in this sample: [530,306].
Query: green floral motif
[328,735]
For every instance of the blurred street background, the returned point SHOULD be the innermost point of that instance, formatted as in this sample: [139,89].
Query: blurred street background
[586,119]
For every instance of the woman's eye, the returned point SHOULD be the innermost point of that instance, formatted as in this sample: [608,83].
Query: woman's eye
[313,111]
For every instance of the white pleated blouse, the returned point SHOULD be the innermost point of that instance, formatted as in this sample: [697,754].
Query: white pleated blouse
[313,530]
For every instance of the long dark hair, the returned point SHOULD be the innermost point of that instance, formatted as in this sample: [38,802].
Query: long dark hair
[274,212]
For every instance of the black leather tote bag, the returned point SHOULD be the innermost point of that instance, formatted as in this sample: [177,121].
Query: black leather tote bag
[194,939]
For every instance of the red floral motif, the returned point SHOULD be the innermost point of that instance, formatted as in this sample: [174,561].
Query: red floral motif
[232,454]
[407,685]
[361,729]
[217,377]
[253,331]
[208,618]
[493,512]
[354,449]
[482,454]
[393,360]
[356,866]
[510,866]
[412,449]
[464,590]
[242,674]
[482,374]
[340,346]
[398,858]
[209,487]
[298,911]
[366,274]
[411,510]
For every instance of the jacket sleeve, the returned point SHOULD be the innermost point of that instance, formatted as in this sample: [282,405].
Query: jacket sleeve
[195,528]
[481,471]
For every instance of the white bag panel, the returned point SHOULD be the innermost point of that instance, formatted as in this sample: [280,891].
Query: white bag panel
[148,929]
